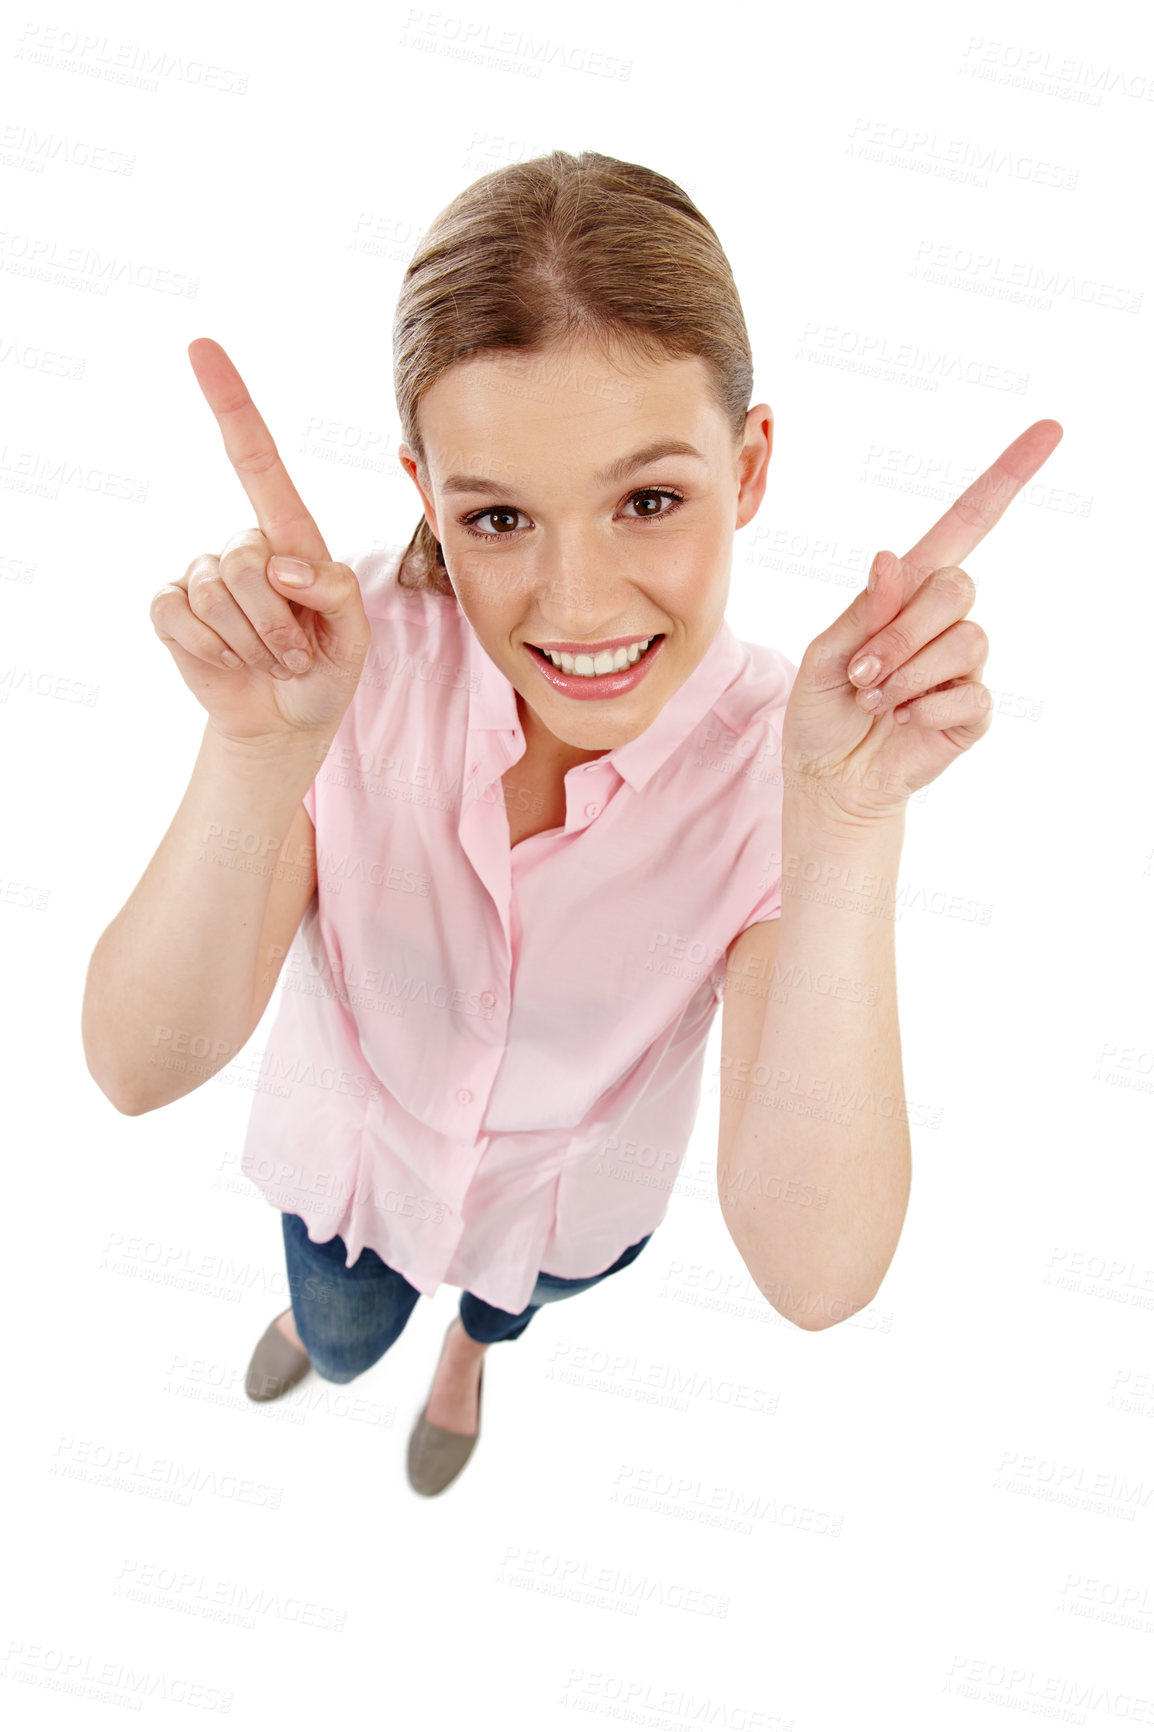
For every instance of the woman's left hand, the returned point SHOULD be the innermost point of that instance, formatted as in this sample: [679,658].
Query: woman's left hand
[861,742]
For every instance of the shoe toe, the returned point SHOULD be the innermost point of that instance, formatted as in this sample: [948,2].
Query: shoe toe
[437,1456]
[274,1367]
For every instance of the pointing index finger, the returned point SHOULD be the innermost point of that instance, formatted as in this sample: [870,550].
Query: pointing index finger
[280,511]
[975,512]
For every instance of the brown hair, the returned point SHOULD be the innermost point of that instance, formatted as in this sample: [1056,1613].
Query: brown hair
[563,247]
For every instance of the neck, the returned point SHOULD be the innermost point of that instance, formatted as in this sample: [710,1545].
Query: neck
[543,747]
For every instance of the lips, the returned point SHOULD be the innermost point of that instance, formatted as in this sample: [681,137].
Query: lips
[596,688]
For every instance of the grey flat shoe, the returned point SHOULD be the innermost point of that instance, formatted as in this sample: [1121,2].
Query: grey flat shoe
[275,1365]
[436,1456]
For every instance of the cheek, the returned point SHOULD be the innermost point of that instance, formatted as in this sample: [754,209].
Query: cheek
[686,568]
[483,581]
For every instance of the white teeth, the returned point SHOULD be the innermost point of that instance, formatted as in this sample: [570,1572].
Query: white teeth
[608,662]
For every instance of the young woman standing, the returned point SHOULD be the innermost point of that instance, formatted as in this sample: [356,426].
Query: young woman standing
[524,807]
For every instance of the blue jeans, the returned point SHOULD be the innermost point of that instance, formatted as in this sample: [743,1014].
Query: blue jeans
[349,1318]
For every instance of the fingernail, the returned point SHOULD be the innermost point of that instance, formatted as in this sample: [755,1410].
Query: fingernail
[297,573]
[297,660]
[865,670]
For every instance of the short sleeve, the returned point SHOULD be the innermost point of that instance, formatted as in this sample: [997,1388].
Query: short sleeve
[765,849]
[768,907]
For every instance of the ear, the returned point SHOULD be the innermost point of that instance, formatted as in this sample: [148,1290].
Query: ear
[753,462]
[412,467]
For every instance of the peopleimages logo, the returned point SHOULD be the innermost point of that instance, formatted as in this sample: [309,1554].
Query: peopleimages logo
[82,268]
[129,63]
[474,39]
[948,265]
[1040,70]
[959,159]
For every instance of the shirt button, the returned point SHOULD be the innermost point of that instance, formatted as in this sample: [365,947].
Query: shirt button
[488,999]
[591,811]
[464,1096]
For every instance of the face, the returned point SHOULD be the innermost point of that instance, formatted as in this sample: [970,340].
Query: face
[558,532]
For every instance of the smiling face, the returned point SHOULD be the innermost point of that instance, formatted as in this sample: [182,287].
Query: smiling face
[567,520]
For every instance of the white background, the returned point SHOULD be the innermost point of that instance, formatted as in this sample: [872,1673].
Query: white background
[938,1514]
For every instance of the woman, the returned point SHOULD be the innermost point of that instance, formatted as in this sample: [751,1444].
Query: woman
[531,806]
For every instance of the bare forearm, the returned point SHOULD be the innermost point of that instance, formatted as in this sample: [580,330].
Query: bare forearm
[814,1180]
[174,972]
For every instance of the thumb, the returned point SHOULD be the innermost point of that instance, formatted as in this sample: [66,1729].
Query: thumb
[329,589]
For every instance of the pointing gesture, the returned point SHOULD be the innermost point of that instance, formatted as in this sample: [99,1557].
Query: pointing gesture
[280,511]
[890,694]
[268,658]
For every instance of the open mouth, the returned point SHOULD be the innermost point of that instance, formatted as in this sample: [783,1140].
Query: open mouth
[648,650]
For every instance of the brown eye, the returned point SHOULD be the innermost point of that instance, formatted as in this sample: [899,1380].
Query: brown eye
[651,493]
[494,511]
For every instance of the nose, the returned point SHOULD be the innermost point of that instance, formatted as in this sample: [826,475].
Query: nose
[575,586]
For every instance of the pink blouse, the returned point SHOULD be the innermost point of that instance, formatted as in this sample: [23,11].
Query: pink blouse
[486,1061]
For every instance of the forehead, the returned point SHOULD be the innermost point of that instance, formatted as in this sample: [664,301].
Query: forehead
[522,407]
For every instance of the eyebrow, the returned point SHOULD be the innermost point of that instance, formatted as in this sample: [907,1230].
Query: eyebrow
[616,471]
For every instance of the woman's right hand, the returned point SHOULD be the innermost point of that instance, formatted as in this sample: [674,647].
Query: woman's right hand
[236,603]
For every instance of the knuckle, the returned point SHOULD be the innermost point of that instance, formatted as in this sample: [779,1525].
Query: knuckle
[897,644]
[971,512]
[246,555]
[282,634]
[242,540]
[163,602]
[258,462]
[242,562]
[256,654]
[953,581]
[208,593]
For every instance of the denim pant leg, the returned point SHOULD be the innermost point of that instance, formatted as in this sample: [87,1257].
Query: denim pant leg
[346,1318]
[486,1323]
